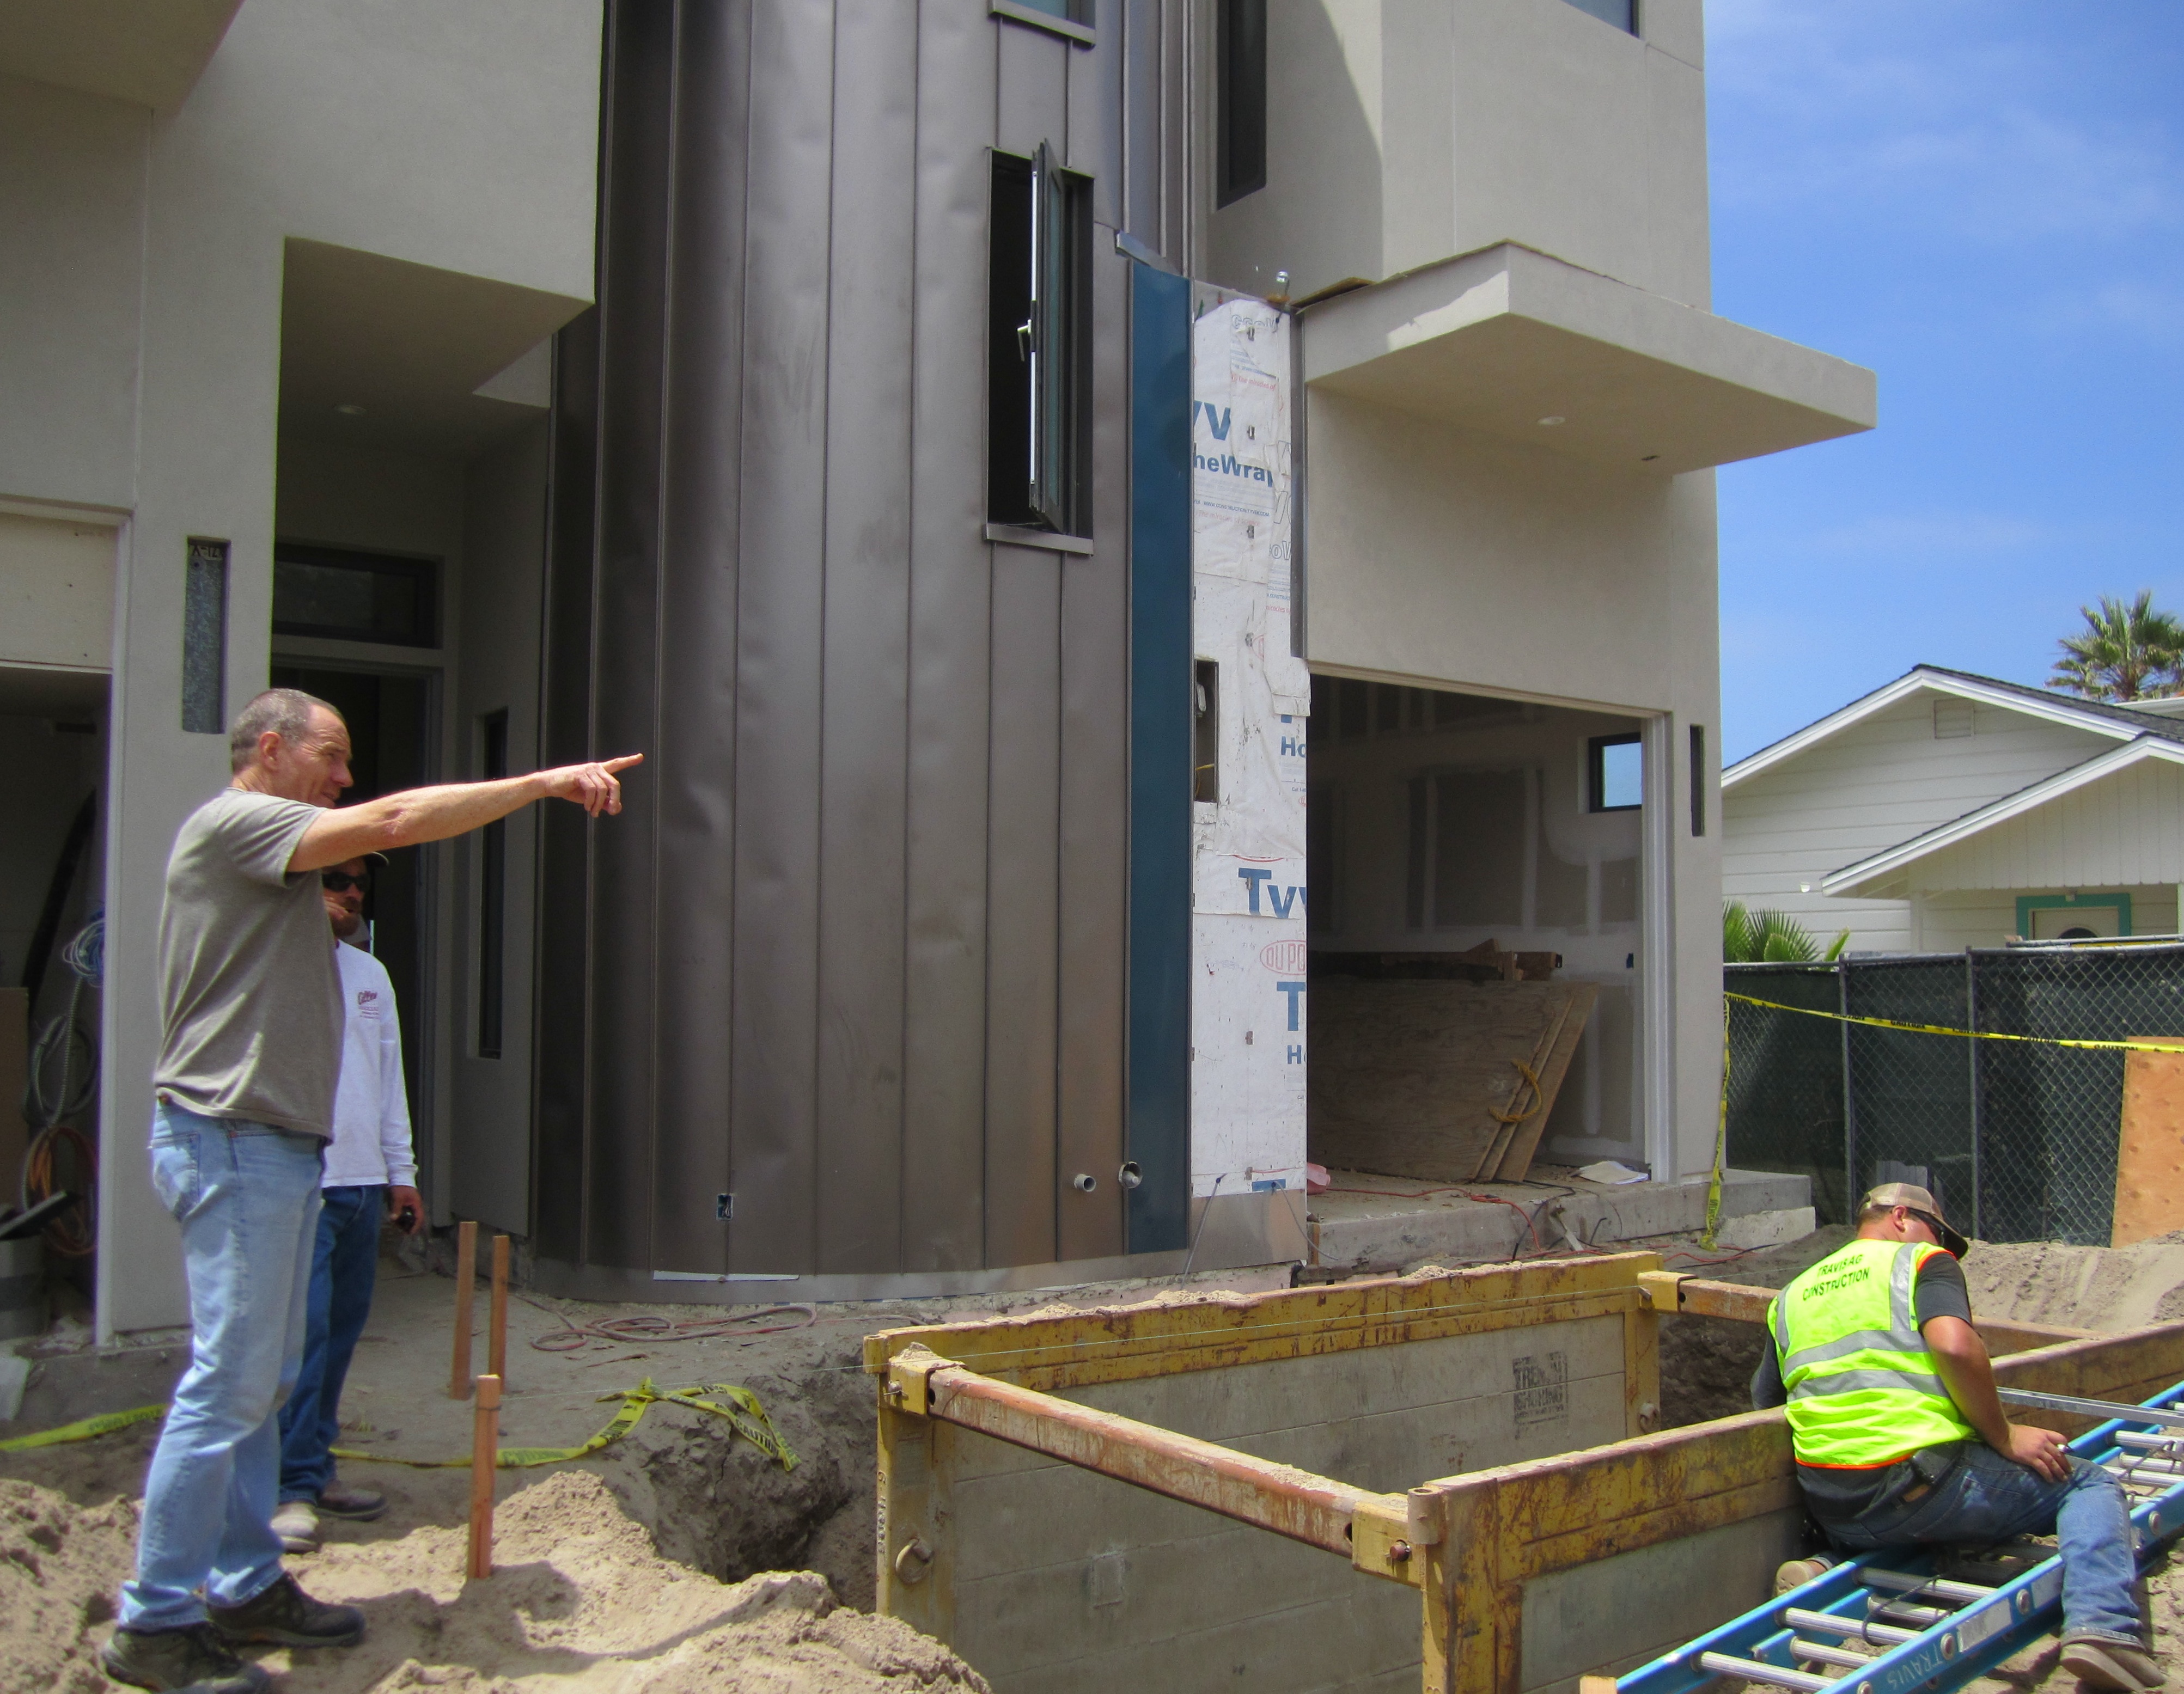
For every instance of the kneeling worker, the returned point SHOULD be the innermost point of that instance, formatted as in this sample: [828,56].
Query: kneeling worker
[1901,1437]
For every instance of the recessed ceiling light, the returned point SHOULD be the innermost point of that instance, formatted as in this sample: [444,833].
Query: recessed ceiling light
[349,408]
[1549,423]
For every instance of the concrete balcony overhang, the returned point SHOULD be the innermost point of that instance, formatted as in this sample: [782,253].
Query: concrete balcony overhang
[1501,339]
[148,51]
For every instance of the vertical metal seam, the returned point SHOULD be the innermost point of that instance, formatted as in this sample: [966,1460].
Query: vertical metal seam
[736,640]
[909,655]
[662,539]
[826,573]
[1851,1189]
[986,871]
[603,276]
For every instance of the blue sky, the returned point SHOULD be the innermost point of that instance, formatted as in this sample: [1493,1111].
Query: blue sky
[1984,203]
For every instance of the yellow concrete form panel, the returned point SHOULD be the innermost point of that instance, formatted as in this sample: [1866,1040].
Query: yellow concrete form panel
[56,594]
[1204,1333]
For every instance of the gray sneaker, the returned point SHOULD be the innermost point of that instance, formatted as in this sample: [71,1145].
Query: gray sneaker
[284,1615]
[2108,1664]
[190,1660]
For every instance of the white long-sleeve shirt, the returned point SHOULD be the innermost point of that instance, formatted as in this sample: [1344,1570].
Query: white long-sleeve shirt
[371,1111]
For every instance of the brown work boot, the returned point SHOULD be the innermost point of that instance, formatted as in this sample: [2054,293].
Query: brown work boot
[2108,1664]
[166,1661]
[282,1613]
[345,1499]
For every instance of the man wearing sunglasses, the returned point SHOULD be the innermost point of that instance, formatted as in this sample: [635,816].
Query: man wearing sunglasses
[1901,1437]
[251,1003]
[371,1176]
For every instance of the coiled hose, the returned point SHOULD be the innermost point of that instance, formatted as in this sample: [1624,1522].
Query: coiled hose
[64,1080]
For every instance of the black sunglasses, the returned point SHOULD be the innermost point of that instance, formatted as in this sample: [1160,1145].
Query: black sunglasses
[340,880]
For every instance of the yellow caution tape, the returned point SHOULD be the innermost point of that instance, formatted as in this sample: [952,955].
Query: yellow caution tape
[744,1415]
[105,1423]
[2175,1046]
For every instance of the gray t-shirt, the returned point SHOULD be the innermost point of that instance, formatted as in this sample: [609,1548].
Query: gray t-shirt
[249,994]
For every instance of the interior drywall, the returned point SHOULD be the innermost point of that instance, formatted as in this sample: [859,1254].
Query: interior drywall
[56,592]
[1400,135]
[463,138]
[1444,557]
[1448,820]
[1066,1580]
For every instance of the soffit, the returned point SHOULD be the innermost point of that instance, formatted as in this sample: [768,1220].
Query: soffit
[151,52]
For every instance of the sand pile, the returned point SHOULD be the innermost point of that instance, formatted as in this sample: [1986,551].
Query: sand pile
[579,1603]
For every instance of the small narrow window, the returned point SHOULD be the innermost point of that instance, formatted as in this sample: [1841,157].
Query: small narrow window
[493,891]
[1616,773]
[1206,731]
[1698,779]
[1240,92]
[204,640]
[1038,366]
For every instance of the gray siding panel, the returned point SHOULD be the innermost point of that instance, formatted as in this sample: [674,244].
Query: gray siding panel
[1021,904]
[782,547]
[693,774]
[867,702]
[1034,90]
[952,570]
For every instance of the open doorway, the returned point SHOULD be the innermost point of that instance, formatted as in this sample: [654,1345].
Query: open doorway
[1477,878]
[390,727]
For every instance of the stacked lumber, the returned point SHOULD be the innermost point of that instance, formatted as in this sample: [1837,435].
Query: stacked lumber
[1444,1080]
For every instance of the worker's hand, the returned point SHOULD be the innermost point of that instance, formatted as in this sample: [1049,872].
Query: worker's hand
[406,1206]
[2040,1452]
[592,786]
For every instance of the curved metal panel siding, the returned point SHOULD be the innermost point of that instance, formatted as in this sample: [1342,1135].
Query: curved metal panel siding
[856,951]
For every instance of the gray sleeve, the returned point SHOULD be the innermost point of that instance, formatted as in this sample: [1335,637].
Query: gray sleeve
[1766,1389]
[260,832]
[1941,1291]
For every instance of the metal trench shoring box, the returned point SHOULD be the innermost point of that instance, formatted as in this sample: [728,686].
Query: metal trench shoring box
[1148,1496]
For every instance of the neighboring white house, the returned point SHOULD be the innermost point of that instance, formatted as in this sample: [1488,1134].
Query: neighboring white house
[1947,811]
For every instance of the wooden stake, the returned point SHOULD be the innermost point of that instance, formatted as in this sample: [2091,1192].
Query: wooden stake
[458,1378]
[485,1450]
[496,1352]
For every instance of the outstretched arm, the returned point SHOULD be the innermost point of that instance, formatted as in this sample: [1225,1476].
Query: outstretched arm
[451,808]
[1969,1376]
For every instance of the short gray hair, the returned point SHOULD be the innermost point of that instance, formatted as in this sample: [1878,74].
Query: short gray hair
[286,711]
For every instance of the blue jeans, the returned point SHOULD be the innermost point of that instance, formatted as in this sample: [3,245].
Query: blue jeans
[343,1264]
[1987,1498]
[247,1196]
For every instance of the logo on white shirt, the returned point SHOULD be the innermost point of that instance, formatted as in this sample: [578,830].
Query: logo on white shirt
[367,1004]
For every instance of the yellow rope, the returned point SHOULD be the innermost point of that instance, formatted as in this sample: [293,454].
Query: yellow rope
[2176,1045]
[1538,1097]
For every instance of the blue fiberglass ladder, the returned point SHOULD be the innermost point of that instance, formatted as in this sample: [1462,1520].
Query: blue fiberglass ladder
[1888,1624]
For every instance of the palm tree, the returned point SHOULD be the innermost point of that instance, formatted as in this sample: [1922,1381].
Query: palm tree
[2125,653]
[1772,938]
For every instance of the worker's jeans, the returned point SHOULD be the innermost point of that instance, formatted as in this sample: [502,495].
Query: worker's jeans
[247,1196]
[1987,1498]
[343,1266]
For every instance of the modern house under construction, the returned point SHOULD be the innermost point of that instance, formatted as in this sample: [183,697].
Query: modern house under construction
[1104,516]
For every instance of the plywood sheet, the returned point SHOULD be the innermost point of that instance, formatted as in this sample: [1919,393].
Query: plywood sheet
[2149,1190]
[1517,1161]
[1407,1077]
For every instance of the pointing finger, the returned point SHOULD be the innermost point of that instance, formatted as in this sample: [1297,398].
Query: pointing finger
[611,766]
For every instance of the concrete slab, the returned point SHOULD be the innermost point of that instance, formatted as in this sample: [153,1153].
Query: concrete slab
[1376,1222]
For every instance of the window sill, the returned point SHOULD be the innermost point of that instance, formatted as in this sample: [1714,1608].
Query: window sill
[1016,536]
[1082,34]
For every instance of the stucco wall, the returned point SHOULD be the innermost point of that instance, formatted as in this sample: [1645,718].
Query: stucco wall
[1437,129]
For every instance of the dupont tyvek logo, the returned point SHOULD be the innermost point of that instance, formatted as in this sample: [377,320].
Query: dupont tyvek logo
[1218,422]
[1286,957]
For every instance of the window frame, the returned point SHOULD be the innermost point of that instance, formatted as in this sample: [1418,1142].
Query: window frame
[1595,771]
[423,572]
[1048,489]
[1240,101]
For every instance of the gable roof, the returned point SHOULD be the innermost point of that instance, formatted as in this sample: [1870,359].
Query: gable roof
[2099,717]
[1857,878]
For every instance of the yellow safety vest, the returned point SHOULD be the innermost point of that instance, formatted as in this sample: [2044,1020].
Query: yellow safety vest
[1864,1389]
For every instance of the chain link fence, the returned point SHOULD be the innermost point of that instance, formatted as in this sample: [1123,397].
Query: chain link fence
[2017,1138]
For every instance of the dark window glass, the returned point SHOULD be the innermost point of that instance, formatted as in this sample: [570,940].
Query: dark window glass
[1206,737]
[493,891]
[330,592]
[1615,767]
[1240,164]
[1038,355]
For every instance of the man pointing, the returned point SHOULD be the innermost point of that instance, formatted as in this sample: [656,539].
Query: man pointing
[253,1017]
